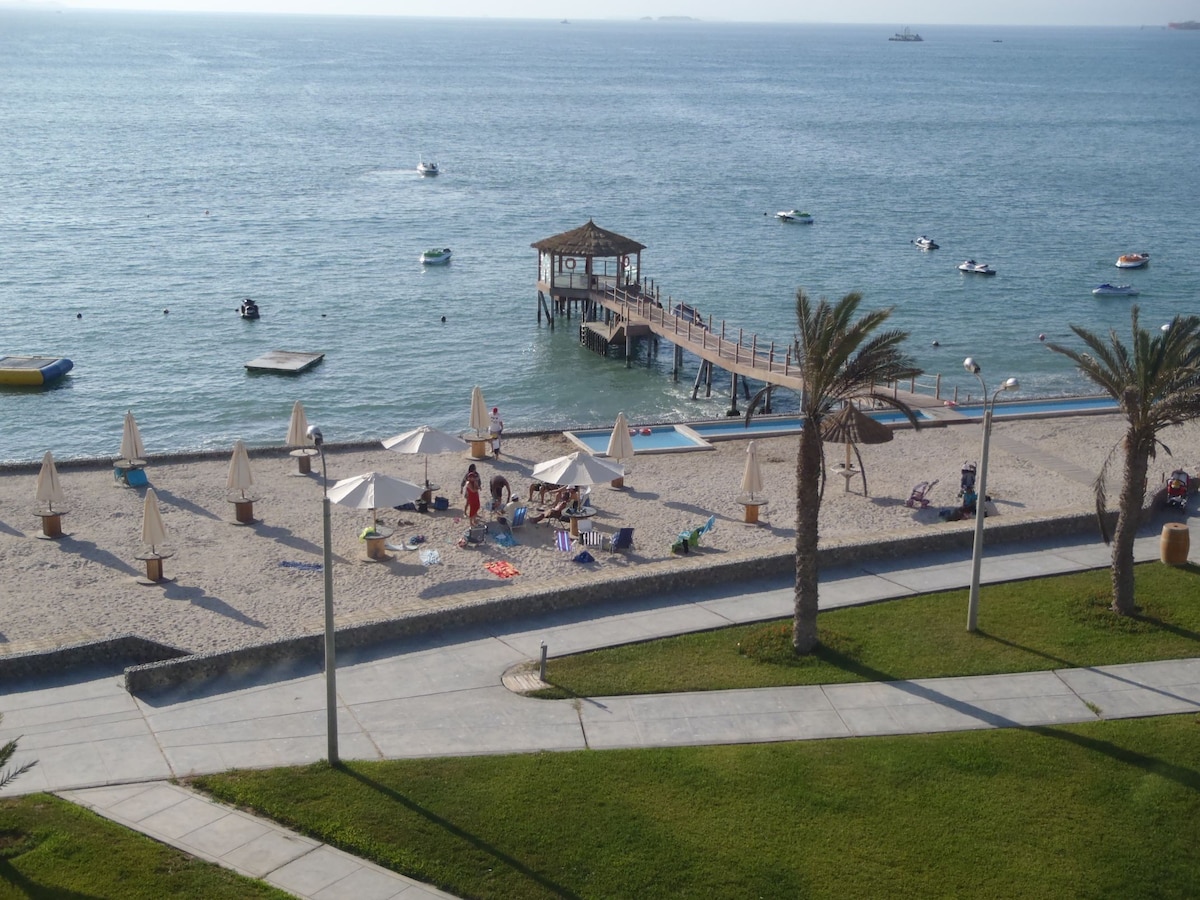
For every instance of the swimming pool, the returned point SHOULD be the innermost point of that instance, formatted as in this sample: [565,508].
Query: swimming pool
[771,426]
[659,439]
[1042,407]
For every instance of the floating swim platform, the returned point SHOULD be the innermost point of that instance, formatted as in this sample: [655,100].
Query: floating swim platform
[33,371]
[287,362]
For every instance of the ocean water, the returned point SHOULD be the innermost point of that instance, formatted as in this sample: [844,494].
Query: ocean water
[183,162]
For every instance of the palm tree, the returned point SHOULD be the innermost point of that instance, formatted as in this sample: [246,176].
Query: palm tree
[1156,383]
[7,776]
[840,359]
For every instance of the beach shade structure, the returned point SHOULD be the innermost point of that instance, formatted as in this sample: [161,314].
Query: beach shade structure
[239,484]
[620,445]
[127,469]
[154,537]
[374,491]
[51,504]
[425,440]
[297,437]
[479,429]
[578,468]
[751,497]
[851,426]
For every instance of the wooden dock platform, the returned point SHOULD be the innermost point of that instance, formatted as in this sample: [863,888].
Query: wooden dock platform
[285,362]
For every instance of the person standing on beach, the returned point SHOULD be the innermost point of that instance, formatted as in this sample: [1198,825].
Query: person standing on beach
[471,492]
[496,427]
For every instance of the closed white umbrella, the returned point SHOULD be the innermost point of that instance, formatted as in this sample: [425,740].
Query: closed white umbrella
[154,532]
[480,422]
[374,491]
[240,478]
[426,440]
[49,489]
[578,468]
[620,444]
[132,451]
[752,483]
[297,435]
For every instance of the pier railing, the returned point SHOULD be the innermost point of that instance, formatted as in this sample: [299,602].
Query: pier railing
[706,338]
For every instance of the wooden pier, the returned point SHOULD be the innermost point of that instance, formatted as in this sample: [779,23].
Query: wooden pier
[616,307]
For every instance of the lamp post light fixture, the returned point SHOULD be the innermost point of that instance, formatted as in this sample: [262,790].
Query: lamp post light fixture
[981,494]
[331,731]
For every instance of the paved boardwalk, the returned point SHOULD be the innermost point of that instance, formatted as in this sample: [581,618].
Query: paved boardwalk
[444,695]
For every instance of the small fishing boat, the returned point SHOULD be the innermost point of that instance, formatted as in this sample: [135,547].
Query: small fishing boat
[924,243]
[33,371]
[248,309]
[906,37]
[1115,290]
[427,168]
[974,268]
[795,216]
[1132,260]
[436,257]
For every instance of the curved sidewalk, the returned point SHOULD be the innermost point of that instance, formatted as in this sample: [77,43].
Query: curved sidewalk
[443,695]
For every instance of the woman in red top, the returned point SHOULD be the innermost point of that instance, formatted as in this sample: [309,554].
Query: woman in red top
[471,490]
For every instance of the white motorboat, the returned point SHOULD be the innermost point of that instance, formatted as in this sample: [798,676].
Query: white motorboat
[427,168]
[974,268]
[1132,260]
[436,257]
[795,216]
[1115,290]
[924,243]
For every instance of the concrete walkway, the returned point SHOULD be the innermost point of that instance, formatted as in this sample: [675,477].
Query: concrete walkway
[444,696]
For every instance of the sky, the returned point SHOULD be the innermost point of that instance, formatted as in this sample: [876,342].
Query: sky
[928,12]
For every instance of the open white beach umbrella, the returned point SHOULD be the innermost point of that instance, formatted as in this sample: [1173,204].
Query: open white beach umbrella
[374,491]
[49,490]
[154,532]
[620,444]
[240,477]
[578,468]
[297,435]
[752,483]
[426,440]
[480,423]
[131,440]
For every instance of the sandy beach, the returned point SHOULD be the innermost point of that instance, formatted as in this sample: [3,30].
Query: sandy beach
[232,585]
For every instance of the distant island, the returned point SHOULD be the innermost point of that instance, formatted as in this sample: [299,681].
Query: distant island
[668,19]
[1190,25]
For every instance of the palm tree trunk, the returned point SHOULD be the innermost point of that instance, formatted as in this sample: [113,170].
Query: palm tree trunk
[1133,495]
[808,508]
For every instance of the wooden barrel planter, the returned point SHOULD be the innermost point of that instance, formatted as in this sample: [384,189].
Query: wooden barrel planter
[1174,544]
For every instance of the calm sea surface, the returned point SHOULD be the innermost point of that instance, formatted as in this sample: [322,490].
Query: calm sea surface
[181,163]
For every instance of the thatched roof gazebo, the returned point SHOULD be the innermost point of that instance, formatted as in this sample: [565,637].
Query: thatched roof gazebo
[584,259]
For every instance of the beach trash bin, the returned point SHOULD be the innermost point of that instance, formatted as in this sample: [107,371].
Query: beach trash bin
[1175,543]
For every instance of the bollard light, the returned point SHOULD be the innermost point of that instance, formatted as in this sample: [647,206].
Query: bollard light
[331,734]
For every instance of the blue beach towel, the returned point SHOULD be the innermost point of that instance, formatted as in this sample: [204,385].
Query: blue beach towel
[504,540]
[305,566]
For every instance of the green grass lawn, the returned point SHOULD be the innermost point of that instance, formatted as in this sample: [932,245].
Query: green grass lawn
[1106,809]
[1047,623]
[53,849]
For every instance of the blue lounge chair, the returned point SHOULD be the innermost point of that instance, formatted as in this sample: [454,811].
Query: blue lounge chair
[518,517]
[621,540]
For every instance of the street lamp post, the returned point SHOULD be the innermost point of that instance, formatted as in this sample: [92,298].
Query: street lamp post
[981,494]
[331,731]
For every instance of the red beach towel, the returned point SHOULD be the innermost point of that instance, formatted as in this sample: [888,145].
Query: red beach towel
[501,568]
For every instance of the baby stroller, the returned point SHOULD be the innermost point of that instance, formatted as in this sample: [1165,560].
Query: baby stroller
[967,485]
[920,494]
[1178,486]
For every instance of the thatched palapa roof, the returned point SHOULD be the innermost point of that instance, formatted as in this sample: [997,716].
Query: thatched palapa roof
[589,240]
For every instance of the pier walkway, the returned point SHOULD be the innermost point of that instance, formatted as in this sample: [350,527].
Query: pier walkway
[642,311]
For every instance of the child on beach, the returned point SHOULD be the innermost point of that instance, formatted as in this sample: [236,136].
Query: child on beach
[496,427]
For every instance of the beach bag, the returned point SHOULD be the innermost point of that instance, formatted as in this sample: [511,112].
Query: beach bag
[583,557]
[441,504]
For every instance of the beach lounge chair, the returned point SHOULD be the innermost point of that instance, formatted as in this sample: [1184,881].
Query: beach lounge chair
[706,527]
[518,517]
[591,538]
[920,494]
[562,540]
[621,540]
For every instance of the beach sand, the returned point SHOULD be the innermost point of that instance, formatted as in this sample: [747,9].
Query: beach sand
[232,585]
